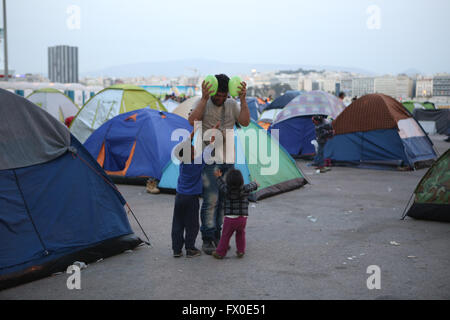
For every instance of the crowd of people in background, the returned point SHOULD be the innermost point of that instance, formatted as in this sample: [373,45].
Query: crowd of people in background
[179,99]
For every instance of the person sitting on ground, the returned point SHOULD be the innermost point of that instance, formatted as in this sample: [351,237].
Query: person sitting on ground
[324,131]
[236,211]
[152,186]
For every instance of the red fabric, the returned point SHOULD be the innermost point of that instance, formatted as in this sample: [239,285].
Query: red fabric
[370,112]
[68,121]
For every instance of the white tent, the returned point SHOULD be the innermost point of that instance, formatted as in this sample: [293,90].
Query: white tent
[107,104]
[185,108]
[54,102]
[170,104]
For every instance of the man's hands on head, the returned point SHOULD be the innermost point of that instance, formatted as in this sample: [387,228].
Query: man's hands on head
[244,115]
[242,90]
[206,90]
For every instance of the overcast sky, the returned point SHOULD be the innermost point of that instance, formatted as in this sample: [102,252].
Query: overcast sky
[379,36]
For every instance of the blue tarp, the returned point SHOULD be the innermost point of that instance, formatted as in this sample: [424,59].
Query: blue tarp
[296,134]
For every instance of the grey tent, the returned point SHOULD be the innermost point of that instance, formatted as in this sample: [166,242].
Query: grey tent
[439,119]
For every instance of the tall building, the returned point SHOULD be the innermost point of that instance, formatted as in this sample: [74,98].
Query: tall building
[63,64]
[424,87]
[404,87]
[441,86]
[347,87]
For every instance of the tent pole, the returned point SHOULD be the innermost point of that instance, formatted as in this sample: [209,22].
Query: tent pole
[5,36]
[407,207]
[148,240]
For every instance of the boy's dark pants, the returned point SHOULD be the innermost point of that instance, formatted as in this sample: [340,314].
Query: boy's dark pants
[185,217]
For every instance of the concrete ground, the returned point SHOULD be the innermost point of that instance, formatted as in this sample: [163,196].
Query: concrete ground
[312,243]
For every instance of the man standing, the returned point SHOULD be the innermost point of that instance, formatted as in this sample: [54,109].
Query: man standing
[211,110]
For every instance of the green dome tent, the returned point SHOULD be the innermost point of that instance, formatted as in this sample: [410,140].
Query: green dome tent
[255,160]
[109,103]
[411,105]
[54,102]
[432,195]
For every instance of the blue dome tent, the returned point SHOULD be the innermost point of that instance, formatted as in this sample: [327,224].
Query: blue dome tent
[136,145]
[296,129]
[376,131]
[57,205]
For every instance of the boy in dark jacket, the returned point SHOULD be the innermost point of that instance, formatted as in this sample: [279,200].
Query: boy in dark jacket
[236,211]
[186,210]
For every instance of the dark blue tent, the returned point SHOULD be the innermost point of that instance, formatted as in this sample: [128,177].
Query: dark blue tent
[376,131]
[295,124]
[296,134]
[253,106]
[282,101]
[57,205]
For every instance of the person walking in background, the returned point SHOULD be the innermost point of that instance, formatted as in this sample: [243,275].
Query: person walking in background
[236,211]
[324,131]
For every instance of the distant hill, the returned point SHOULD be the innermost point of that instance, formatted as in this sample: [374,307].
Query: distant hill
[411,72]
[184,67]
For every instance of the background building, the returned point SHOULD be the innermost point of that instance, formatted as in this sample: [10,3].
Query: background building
[404,87]
[63,64]
[347,87]
[441,86]
[385,85]
[424,87]
[363,86]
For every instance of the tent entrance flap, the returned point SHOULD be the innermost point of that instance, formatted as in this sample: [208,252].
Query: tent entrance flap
[126,164]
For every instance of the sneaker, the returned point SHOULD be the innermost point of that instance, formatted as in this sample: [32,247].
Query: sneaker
[208,247]
[240,254]
[191,253]
[177,254]
[216,255]
[151,187]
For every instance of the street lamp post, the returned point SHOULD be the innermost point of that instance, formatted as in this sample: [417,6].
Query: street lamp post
[5,37]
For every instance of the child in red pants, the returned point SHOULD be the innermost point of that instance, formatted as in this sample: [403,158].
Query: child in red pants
[236,211]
